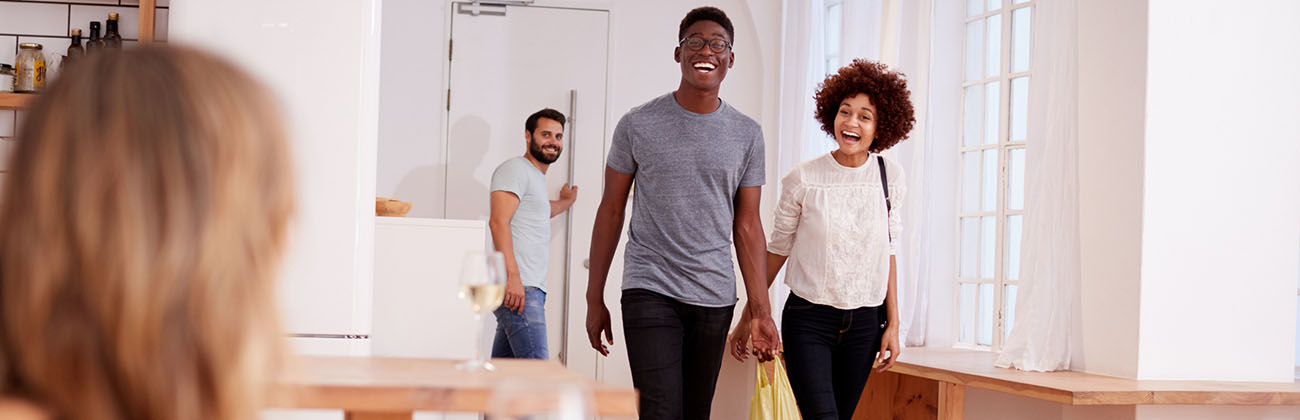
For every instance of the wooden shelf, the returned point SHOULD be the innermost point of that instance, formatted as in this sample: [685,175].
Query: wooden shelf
[15,100]
[21,100]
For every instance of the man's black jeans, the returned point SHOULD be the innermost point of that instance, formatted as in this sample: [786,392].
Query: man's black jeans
[828,356]
[675,351]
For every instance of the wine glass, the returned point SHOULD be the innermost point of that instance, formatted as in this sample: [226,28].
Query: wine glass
[482,287]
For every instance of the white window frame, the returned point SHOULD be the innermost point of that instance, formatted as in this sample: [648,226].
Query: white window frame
[831,56]
[1004,146]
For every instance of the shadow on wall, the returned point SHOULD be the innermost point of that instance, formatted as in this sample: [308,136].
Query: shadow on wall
[467,178]
[411,188]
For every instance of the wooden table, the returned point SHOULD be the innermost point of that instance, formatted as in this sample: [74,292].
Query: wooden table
[930,383]
[372,388]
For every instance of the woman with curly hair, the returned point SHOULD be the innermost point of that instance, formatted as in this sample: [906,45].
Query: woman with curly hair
[835,227]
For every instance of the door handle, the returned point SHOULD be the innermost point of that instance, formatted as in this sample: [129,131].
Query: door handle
[586,263]
[568,227]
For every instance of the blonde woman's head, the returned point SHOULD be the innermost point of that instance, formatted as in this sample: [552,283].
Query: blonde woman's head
[142,220]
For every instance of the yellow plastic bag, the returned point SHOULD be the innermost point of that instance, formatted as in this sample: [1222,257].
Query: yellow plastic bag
[773,400]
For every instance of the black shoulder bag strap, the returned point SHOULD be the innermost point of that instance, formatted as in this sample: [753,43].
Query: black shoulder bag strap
[883,313]
[884,183]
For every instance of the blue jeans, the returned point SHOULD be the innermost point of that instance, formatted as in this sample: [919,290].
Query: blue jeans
[828,356]
[522,336]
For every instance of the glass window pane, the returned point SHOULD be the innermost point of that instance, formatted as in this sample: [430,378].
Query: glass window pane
[972,116]
[993,5]
[1019,122]
[834,16]
[993,46]
[974,7]
[966,313]
[985,329]
[991,112]
[1016,179]
[970,181]
[988,247]
[1018,1]
[974,49]
[970,245]
[1020,39]
[1012,269]
[1009,310]
[990,181]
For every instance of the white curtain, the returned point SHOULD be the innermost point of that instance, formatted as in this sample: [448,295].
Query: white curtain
[904,44]
[802,68]
[863,29]
[1050,267]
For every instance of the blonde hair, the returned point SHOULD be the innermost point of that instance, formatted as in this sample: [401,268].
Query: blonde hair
[143,220]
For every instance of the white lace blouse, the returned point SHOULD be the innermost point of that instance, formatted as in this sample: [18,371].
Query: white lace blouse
[831,222]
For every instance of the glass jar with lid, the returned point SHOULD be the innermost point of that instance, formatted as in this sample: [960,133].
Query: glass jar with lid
[6,78]
[30,72]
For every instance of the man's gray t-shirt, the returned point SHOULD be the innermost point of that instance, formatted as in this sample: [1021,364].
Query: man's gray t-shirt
[530,227]
[687,168]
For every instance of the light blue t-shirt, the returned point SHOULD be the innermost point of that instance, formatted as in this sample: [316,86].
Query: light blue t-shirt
[530,227]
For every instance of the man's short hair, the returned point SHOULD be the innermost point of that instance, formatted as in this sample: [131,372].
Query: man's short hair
[708,13]
[547,113]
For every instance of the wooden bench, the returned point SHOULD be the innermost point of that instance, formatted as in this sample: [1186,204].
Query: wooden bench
[930,383]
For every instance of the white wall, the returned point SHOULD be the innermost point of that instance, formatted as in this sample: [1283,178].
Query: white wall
[1112,76]
[1198,412]
[320,59]
[1219,251]
[992,405]
[412,104]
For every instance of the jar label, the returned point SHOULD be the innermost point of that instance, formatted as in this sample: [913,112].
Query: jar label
[30,76]
[39,79]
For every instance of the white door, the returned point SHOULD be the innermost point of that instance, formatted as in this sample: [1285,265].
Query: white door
[506,63]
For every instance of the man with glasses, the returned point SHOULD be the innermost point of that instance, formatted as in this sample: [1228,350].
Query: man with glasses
[698,164]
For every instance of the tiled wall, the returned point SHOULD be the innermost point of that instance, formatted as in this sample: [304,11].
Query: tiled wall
[49,23]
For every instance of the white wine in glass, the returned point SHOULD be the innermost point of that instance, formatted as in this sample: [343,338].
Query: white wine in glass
[483,298]
[482,287]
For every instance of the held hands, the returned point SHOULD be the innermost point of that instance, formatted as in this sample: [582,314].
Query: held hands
[598,322]
[739,339]
[888,343]
[766,340]
[514,300]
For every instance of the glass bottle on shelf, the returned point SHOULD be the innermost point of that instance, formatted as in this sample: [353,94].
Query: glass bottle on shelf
[95,43]
[75,50]
[111,38]
[30,75]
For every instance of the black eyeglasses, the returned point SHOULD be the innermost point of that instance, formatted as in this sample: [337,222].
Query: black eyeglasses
[696,44]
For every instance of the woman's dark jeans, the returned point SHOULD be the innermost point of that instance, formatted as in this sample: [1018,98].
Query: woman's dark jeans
[828,356]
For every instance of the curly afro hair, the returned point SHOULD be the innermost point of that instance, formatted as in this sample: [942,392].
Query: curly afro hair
[887,90]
